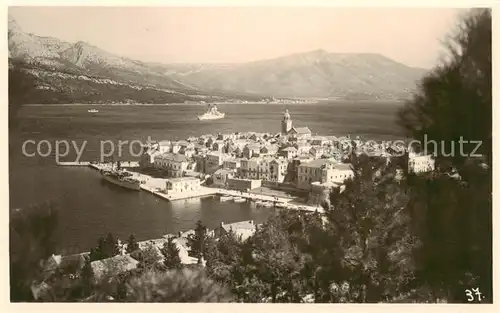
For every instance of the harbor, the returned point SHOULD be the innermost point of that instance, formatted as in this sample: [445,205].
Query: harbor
[156,187]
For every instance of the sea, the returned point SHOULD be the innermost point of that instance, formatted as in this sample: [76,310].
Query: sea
[90,208]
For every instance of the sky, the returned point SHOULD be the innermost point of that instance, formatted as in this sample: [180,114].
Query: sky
[412,36]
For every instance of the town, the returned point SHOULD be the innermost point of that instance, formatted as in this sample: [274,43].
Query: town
[292,161]
[261,167]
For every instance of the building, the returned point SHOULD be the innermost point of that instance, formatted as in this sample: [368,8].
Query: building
[112,267]
[182,184]
[263,170]
[214,161]
[278,170]
[286,123]
[147,159]
[200,161]
[337,173]
[221,176]
[268,150]
[289,152]
[319,141]
[250,168]
[288,129]
[175,148]
[302,147]
[232,163]
[242,230]
[420,163]
[317,151]
[225,136]
[322,170]
[164,146]
[300,132]
[174,164]
[243,184]
[218,146]
[188,152]
[251,150]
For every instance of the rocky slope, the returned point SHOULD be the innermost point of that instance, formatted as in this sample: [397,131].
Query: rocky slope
[80,72]
[312,74]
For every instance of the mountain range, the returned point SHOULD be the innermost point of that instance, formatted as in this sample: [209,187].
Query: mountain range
[67,72]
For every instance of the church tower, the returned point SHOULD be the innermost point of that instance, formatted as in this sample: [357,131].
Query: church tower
[286,123]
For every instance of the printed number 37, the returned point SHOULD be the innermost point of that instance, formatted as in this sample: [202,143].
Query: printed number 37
[471,294]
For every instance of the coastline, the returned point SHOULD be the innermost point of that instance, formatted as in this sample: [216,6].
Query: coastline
[318,102]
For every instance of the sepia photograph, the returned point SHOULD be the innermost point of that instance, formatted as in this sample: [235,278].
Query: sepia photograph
[250,154]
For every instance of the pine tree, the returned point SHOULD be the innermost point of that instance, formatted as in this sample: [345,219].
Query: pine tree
[87,278]
[150,257]
[110,245]
[171,254]
[197,241]
[132,245]
[453,218]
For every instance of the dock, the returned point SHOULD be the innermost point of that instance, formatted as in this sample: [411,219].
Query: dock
[286,202]
[97,166]
[155,185]
[73,163]
[201,193]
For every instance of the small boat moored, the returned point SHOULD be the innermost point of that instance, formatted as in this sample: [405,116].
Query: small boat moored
[240,200]
[224,199]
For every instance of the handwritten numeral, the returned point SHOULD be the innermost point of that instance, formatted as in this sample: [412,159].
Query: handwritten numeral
[473,294]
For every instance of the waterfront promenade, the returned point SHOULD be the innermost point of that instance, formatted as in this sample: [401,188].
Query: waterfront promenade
[156,186]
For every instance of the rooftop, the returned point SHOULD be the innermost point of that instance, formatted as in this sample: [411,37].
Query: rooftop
[113,266]
[249,225]
[181,179]
[173,157]
[318,163]
[302,130]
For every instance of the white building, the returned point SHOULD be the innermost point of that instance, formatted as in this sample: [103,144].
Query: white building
[182,184]
[174,164]
[323,171]
[420,163]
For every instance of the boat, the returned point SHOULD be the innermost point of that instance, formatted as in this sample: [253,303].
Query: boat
[93,111]
[121,178]
[239,200]
[211,114]
[259,203]
[228,198]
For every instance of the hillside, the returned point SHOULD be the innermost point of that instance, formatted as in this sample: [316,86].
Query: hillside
[312,74]
[82,73]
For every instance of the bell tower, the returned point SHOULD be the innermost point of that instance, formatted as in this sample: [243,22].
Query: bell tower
[286,123]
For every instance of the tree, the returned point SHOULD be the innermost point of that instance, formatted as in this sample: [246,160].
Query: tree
[274,264]
[197,241]
[33,238]
[370,231]
[149,257]
[171,254]
[106,248]
[111,246]
[224,257]
[175,286]
[454,100]
[87,278]
[132,244]
[451,217]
